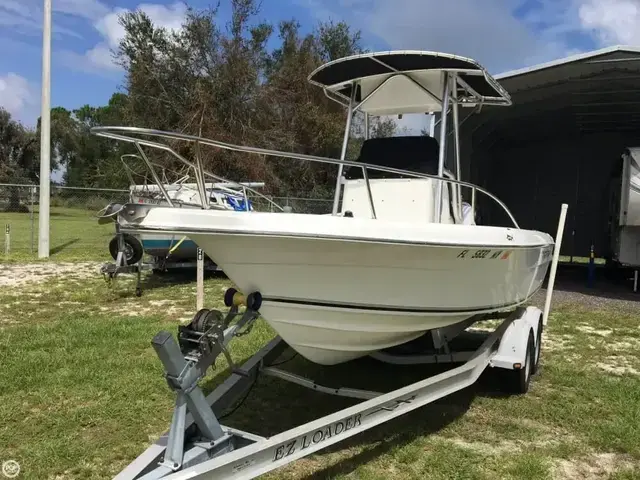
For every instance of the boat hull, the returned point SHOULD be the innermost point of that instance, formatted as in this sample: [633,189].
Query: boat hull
[337,298]
[348,300]
[159,245]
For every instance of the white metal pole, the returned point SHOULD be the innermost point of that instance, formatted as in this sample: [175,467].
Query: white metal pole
[456,134]
[554,262]
[45,137]
[7,239]
[343,154]
[200,280]
[443,145]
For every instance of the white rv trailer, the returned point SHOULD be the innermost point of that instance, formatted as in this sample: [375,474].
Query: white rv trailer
[625,227]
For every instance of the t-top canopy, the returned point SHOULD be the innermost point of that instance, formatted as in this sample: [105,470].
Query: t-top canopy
[407,81]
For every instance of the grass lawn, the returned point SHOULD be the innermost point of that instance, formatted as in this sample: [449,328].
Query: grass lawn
[74,235]
[83,394]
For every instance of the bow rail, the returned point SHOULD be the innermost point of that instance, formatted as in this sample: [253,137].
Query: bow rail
[126,134]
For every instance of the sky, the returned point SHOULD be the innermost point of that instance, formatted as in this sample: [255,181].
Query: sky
[500,34]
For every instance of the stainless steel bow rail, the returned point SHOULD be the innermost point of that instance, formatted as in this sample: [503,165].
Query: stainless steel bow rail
[136,136]
[123,261]
[198,446]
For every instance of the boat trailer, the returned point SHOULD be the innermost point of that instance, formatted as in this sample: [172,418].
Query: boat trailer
[111,270]
[198,446]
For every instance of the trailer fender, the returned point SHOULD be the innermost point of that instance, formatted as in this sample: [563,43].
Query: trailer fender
[513,344]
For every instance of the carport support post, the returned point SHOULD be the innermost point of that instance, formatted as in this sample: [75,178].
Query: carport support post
[554,262]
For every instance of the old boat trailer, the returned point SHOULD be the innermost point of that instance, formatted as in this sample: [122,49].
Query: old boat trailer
[198,446]
[111,270]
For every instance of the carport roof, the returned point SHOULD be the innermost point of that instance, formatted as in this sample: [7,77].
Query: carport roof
[596,91]
[581,57]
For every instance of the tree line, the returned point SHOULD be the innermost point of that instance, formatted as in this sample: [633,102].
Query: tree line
[217,81]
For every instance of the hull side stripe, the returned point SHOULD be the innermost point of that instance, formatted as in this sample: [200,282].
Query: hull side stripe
[379,308]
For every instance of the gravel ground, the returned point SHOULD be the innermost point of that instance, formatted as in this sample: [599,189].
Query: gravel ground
[19,274]
[571,289]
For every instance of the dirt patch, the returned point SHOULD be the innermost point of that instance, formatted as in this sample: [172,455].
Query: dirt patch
[160,303]
[481,447]
[617,365]
[632,344]
[544,439]
[592,467]
[32,273]
[134,309]
[557,342]
[584,328]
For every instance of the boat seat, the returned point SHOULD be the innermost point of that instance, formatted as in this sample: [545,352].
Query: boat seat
[416,153]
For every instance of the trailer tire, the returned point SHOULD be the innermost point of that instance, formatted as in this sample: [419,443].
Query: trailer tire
[538,349]
[133,250]
[522,377]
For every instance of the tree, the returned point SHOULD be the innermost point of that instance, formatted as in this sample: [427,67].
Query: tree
[18,156]
[223,83]
[93,161]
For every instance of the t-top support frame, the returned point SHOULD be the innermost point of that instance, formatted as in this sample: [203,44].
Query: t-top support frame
[449,96]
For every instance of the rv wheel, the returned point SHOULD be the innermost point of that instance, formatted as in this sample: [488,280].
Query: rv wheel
[132,249]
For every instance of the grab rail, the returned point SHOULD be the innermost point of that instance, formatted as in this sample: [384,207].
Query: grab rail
[119,133]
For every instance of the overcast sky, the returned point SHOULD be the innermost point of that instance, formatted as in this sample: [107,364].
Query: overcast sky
[501,34]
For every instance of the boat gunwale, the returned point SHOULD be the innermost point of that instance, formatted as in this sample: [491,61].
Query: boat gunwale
[374,240]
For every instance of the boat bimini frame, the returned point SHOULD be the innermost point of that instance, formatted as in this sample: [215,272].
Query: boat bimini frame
[197,445]
[397,83]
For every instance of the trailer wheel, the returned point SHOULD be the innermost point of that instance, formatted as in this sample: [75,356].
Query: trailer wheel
[132,249]
[522,377]
[538,349]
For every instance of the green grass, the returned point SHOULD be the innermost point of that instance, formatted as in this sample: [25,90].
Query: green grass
[83,394]
[74,234]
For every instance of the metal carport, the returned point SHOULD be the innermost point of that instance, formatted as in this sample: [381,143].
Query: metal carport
[560,141]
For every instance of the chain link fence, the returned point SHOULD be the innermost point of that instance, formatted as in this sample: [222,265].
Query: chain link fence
[74,232]
[316,206]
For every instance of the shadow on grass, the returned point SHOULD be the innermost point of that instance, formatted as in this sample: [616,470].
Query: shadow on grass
[273,405]
[171,278]
[61,247]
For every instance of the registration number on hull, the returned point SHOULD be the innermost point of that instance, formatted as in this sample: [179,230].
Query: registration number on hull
[490,254]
